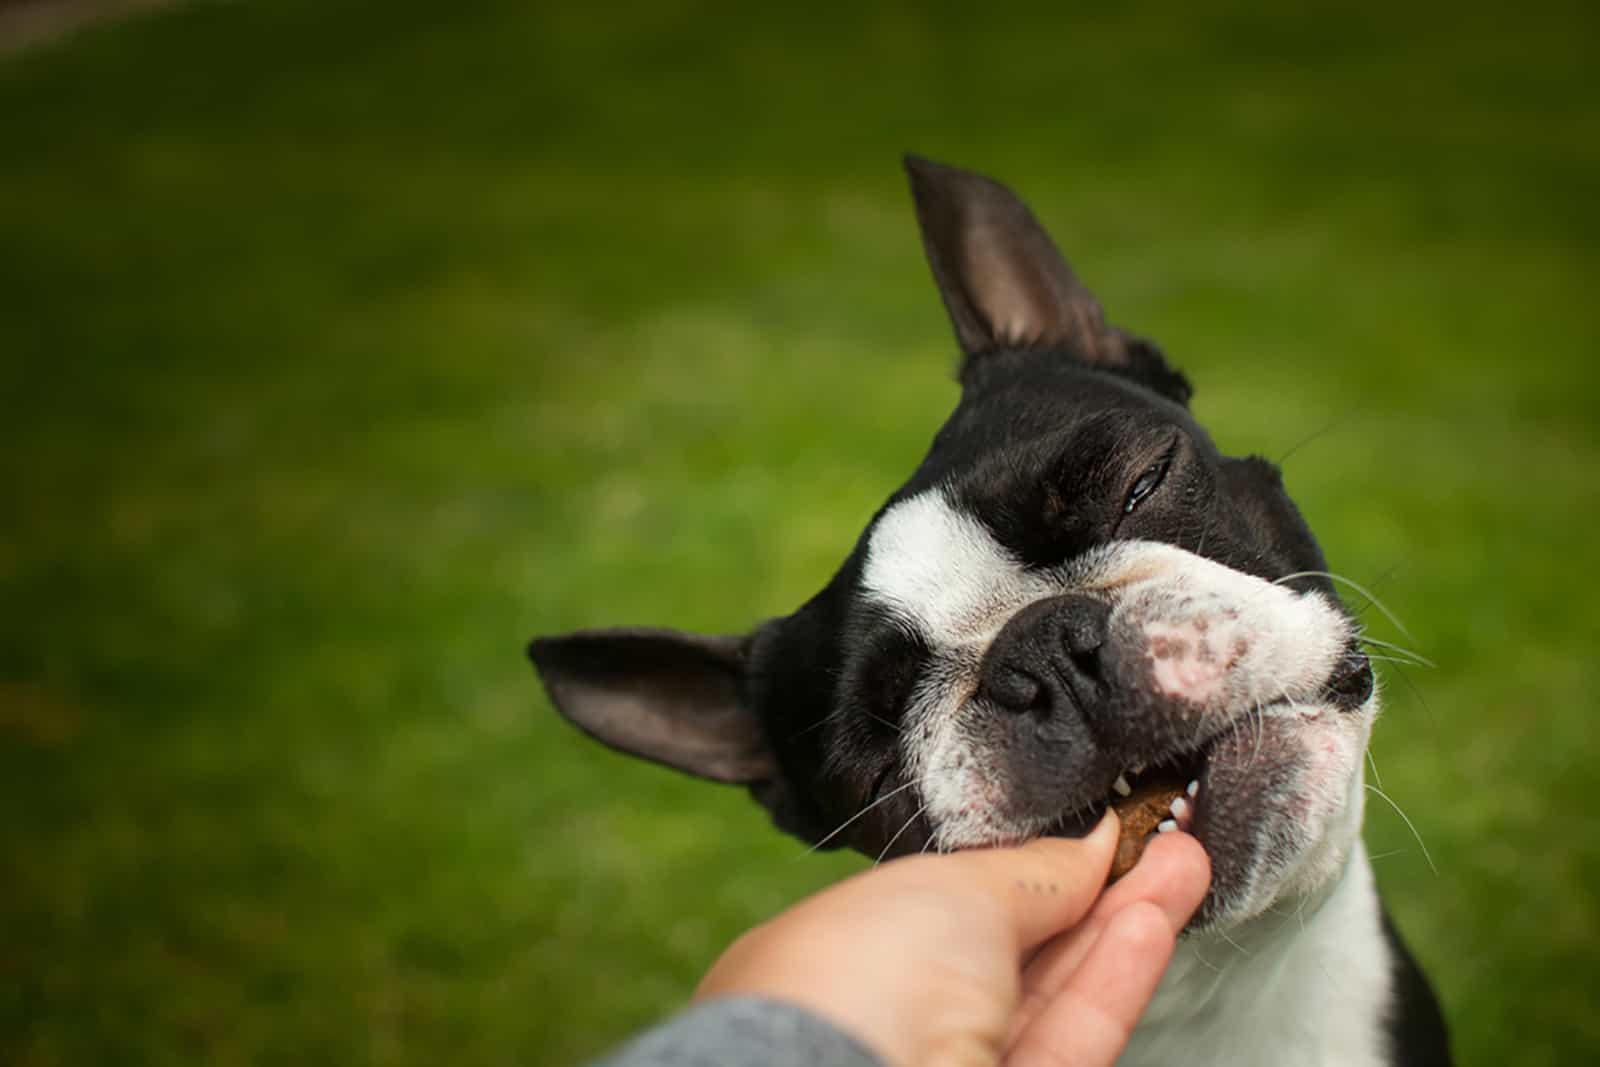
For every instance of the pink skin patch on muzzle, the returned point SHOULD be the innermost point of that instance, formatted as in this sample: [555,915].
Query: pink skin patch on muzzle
[1190,660]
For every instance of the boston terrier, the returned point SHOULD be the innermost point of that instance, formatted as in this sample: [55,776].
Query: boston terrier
[1073,596]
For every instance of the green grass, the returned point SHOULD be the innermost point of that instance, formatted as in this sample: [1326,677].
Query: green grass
[342,349]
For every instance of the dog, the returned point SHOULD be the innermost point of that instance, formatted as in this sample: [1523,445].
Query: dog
[1073,595]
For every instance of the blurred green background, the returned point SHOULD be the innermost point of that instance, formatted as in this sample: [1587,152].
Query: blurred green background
[343,348]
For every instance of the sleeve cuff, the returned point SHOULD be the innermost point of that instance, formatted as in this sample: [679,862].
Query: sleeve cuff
[744,1031]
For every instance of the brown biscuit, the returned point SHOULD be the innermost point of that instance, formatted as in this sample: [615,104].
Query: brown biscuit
[1140,814]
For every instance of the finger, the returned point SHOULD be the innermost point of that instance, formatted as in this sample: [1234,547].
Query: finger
[1050,883]
[1173,874]
[1090,1021]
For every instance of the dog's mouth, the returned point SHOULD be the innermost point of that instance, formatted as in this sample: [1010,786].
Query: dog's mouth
[1171,792]
[1149,799]
[1158,800]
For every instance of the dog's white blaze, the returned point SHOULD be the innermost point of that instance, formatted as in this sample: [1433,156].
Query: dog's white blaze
[939,569]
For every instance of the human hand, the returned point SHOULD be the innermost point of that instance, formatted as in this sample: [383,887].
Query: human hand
[981,957]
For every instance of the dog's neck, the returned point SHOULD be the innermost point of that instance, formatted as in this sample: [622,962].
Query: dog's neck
[1307,984]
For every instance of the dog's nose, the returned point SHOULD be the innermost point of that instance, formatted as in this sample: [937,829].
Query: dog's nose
[1046,659]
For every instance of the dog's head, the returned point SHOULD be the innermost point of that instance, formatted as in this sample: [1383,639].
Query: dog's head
[1073,588]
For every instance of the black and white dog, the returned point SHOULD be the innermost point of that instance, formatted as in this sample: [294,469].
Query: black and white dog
[1073,590]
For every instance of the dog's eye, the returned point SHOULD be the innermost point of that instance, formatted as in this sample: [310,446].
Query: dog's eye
[1146,483]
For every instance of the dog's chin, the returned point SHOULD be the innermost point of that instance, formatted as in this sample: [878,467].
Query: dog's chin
[1277,809]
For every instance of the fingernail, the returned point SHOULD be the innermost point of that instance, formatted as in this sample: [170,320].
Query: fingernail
[1108,826]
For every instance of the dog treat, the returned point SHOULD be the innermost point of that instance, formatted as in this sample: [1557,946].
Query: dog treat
[1141,812]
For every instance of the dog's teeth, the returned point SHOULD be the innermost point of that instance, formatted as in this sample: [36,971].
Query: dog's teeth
[1166,826]
[1121,786]
[1180,808]
[1136,768]
[1192,788]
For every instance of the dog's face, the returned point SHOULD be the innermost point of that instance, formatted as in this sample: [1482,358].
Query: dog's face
[1074,589]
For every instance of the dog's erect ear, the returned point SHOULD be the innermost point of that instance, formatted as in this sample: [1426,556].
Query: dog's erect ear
[664,695]
[1002,279]
[1006,285]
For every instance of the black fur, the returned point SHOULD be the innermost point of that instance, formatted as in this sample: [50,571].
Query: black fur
[1417,1031]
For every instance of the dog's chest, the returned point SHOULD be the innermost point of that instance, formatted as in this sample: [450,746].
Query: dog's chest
[1294,989]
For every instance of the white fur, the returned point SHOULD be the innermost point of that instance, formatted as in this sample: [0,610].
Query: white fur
[938,569]
[1305,984]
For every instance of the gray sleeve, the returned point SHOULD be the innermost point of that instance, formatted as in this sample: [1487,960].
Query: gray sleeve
[743,1032]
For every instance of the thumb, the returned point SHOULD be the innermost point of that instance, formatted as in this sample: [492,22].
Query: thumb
[1050,883]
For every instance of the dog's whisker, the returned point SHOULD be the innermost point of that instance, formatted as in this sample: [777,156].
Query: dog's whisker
[1242,950]
[1205,526]
[1358,587]
[1433,720]
[1409,825]
[1401,660]
[1288,915]
[1199,727]
[1416,658]
[1258,721]
[819,724]
[903,828]
[1376,777]
[1400,652]
[1326,428]
[1300,911]
[842,826]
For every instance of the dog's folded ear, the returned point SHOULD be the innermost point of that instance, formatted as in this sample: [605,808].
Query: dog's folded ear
[1006,285]
[663,695]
